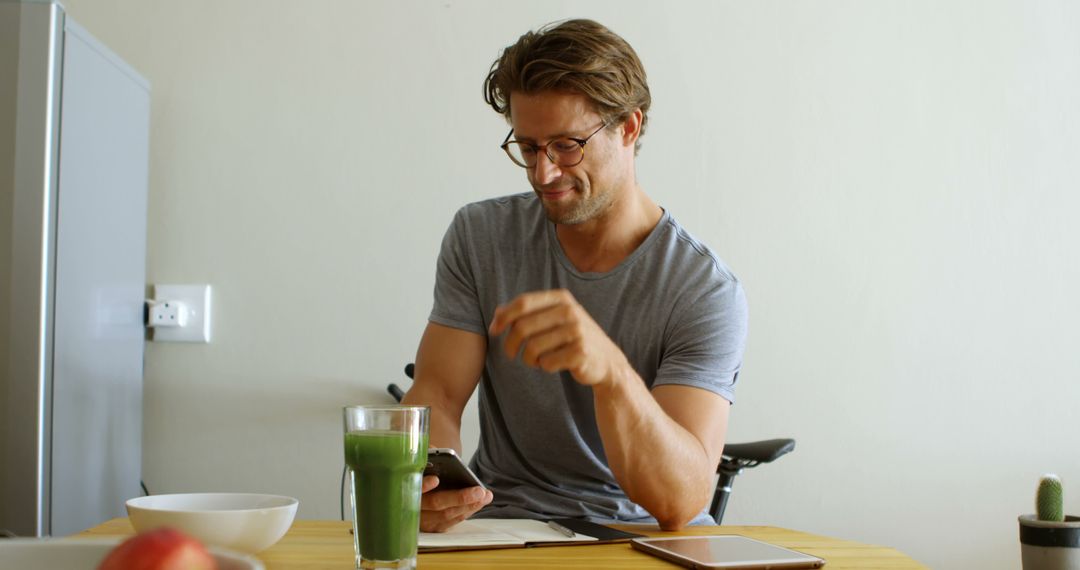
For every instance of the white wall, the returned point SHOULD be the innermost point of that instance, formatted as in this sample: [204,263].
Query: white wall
[895,182]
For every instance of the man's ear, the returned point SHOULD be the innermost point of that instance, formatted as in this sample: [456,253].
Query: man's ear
[631,128]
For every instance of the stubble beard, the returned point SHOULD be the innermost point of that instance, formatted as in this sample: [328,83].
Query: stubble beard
[586,208]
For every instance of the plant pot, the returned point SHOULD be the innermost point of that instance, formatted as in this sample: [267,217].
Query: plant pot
[1048,545]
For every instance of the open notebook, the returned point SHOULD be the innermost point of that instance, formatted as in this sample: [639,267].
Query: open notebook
[511,533]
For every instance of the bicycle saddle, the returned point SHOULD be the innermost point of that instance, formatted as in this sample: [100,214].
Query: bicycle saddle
[757,452]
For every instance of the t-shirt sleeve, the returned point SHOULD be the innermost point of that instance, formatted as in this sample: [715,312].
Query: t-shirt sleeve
[457,302]
[706,342]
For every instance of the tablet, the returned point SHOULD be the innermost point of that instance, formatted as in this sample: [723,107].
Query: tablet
[730,551]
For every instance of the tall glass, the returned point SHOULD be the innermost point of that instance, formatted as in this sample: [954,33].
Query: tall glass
[386,452]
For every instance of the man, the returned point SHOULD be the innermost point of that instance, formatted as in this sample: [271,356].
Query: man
[605,339]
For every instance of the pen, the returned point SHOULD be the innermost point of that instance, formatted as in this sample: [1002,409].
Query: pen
[561,529]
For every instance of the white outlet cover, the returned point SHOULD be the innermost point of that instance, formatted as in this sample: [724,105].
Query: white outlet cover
[197,300]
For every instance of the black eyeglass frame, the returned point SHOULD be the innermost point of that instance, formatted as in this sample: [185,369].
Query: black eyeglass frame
[536,147]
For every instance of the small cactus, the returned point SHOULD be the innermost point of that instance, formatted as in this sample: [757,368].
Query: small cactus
[1048,501]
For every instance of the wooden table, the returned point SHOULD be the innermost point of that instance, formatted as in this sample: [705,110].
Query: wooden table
[313,544]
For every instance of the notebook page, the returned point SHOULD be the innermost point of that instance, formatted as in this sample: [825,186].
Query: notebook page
[495,532]
[530,530]
[467,533]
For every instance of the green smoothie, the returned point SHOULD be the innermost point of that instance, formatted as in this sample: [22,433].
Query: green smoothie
[387,468]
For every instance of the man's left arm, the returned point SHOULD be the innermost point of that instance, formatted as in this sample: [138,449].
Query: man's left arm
[662,447]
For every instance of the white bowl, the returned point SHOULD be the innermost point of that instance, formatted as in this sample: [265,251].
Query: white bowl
[244,522]
[87,553]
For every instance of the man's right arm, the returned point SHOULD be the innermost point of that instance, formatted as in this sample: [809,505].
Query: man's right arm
[448,366]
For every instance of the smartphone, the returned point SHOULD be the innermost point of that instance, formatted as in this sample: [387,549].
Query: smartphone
[728,552]
[451,470]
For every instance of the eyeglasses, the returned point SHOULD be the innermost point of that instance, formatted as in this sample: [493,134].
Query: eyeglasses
[564,151]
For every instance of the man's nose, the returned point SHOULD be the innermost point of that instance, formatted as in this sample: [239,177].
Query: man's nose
[545,171]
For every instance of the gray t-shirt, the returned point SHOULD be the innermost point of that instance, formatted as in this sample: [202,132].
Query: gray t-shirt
[675,310]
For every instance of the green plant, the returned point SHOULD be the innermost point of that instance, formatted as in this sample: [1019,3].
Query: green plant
[1048,501]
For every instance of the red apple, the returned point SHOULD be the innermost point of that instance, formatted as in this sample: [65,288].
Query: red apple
[159,549]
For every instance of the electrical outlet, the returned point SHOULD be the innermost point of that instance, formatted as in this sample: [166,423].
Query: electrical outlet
[168,313]
[194,300]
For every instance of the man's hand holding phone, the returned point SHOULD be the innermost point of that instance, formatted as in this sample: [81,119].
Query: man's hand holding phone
[451,492]
[440,510]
